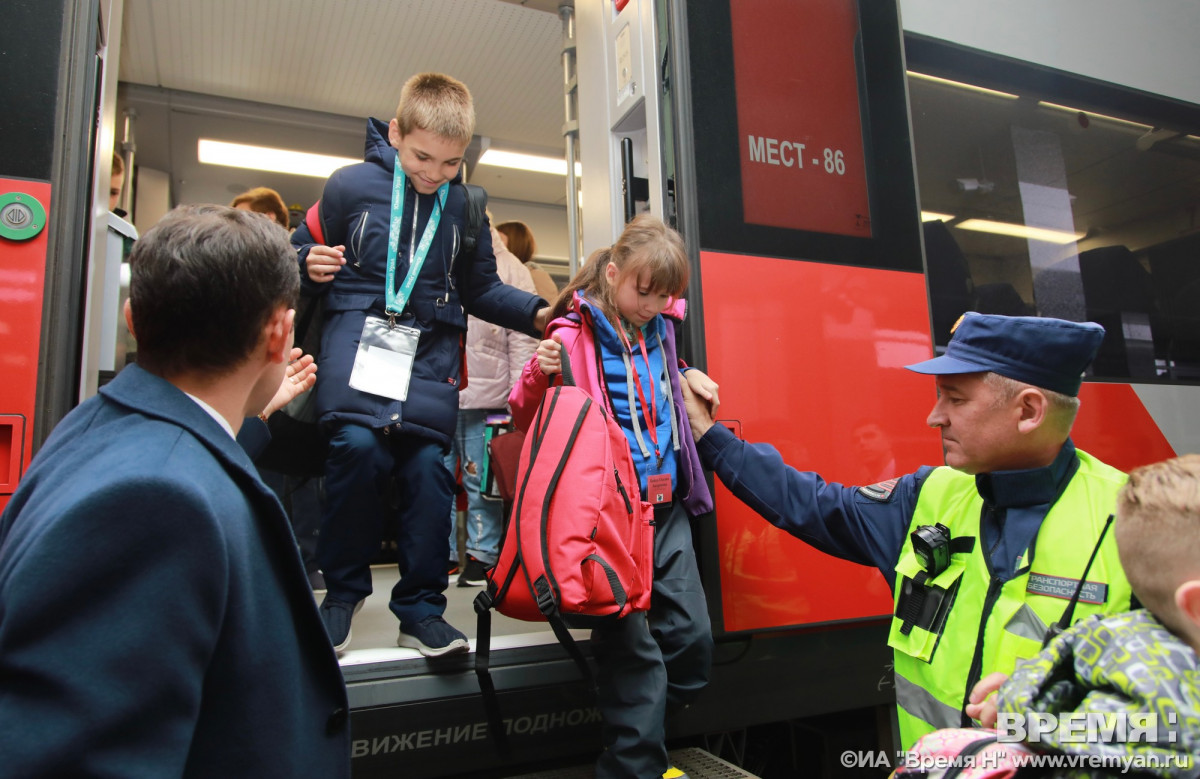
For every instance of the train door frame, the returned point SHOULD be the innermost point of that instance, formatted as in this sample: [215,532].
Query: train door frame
[57,48]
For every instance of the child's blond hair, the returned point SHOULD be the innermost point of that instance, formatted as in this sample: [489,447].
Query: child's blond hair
[646,244]
[1158,535]
[438,104]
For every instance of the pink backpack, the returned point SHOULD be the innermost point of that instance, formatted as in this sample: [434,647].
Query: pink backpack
[578,551]
[963,753]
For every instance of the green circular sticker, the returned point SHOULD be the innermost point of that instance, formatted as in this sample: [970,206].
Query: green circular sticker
[21,216]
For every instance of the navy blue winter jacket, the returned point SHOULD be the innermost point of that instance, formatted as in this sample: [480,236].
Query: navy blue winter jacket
[356,213]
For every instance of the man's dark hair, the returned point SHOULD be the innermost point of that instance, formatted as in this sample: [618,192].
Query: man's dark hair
[204,282]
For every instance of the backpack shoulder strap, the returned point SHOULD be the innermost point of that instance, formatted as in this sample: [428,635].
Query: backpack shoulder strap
[476,205]
[325,227]
[314,222]
[310,315]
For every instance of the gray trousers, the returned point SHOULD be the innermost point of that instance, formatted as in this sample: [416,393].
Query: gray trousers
[650,662]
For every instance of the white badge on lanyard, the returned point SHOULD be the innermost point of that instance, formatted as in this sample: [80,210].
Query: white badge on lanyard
[383,364]
[386,351]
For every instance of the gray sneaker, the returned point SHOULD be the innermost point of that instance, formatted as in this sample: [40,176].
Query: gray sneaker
[433,637]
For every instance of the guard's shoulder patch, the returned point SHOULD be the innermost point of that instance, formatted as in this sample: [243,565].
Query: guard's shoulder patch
[881,492]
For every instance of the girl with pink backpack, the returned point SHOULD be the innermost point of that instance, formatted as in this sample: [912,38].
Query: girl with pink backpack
[616,322]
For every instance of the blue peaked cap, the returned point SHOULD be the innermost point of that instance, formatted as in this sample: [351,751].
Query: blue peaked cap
[1047,353]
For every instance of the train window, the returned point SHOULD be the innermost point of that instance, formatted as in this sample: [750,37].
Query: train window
[1082,207]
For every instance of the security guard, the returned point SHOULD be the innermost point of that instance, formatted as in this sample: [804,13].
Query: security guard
[987,556]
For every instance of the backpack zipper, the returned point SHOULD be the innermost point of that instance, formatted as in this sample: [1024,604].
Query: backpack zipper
[624,495]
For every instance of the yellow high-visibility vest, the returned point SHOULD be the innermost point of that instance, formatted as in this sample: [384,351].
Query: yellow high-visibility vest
[963,606]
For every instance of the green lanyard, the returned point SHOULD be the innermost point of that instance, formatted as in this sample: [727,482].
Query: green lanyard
[396,301]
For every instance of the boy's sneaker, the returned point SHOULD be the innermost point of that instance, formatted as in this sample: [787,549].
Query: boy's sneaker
[433,637]
[336,616]
[474,574]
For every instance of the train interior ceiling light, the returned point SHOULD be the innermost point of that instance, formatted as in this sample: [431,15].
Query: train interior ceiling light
[535,163]
[1151,134]
[297,163]
[962,85]
[1093,115]
[1045,234]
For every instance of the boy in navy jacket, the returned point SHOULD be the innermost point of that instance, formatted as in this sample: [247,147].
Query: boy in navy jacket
[397,286]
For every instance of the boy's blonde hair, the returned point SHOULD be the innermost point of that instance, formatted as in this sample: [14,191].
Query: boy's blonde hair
[1158,535]
[647,243]
[438,104]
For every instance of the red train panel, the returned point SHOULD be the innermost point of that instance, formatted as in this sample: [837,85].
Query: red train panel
[22,284]
[810,358]
[1114,425]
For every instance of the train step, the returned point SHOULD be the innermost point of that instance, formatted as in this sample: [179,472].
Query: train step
[695,762]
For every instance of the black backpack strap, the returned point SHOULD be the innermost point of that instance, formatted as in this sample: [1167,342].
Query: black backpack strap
[475,211]
[546,604]
[483,651]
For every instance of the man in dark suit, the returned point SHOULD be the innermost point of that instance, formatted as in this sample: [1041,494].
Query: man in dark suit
[155,618]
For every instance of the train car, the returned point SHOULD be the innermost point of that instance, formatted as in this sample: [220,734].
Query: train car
[850,177]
